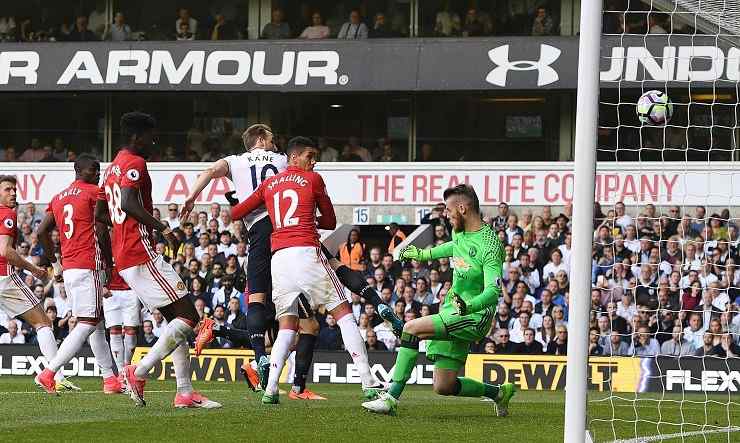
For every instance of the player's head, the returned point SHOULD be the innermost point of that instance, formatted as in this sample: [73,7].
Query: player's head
[461,203]
[87,169]
[258,136]
[8,190]
[302,152]
[137,129]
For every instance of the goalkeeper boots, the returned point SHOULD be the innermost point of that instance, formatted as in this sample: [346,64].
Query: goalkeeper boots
[372,392]
[388,315]
[384,404]
[505,393]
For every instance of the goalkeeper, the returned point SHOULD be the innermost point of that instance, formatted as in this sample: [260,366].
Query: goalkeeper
[466,314]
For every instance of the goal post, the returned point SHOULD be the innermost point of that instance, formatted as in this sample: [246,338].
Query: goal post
[586,136]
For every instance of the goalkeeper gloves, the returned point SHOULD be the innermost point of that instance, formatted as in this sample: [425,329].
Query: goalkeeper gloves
[410,252]
[460,305]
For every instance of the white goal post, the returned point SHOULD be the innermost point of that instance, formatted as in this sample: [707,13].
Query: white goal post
[587,120]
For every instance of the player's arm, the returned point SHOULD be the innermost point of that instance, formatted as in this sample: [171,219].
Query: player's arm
[254,201]
[14,259]
[44,233]
[216,170]
[327,219]
[492,274]
[102,215]
[131,205]
[104,243]
[412,252]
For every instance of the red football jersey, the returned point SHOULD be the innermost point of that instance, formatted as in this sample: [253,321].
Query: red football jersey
[131,241]
[74,213]
[116,282]
[291,198]
[8,226]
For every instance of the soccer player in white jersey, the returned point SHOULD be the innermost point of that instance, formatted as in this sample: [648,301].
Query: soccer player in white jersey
[247,171]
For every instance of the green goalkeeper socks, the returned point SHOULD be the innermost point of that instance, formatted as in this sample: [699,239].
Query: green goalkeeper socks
[474,388]
[405,363]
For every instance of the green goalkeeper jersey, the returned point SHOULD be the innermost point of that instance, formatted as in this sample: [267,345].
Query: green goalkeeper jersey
[477,258]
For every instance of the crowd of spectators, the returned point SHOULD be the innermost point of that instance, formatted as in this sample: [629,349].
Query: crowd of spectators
[663,283]
[450,18]
[205,147]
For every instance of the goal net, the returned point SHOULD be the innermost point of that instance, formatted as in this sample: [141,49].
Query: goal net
[664,354]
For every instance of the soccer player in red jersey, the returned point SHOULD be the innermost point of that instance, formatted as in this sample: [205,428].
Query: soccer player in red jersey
[83,248]
[122,311]
[128,191]
[17,299]
[298,265]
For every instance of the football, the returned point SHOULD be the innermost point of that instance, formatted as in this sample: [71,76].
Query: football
[654,108]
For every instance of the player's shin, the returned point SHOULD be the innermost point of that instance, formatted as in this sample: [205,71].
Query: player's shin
[405,363]
[280,351]
[355,345]
[355,282]
[47,342]
[257,325]
[177,331]
[181,363]
[129,345]
[467,387]
[101,350]
[303,359]
[70,345]
[117,347]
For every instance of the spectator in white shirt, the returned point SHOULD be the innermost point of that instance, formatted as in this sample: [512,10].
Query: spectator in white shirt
[694,332]
[623,220]
[173,218]
[317,30]
[226,246]
[12,336]
[354,29]
[159,323]
[555,265]
[202,247]
[516,333]
[565,250]
[626,307]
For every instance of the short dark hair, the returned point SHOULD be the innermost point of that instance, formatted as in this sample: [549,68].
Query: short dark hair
[136,123]
[9,178]
[83,162]
[465,191]
[250,136]
[298,144]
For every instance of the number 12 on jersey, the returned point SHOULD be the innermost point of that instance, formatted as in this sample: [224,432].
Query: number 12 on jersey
[278,200]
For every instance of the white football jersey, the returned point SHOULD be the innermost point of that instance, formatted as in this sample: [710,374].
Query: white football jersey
[249,170]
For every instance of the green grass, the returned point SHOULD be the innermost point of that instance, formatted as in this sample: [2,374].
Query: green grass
[423,416]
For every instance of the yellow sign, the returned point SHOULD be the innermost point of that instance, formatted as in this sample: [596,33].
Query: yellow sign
[212,365]
[544,372]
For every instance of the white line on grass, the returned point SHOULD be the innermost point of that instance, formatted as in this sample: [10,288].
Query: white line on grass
[100,392]
[679,435]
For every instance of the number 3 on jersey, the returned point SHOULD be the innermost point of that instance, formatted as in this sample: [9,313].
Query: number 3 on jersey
[69,225]
[113,195]
[287,219]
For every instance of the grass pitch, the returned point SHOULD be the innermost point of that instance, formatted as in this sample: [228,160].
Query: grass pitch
[29,415]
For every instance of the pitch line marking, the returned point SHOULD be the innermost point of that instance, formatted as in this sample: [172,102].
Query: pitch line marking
[678,435]
[100,392]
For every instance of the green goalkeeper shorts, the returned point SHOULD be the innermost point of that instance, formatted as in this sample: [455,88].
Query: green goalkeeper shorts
[454,333]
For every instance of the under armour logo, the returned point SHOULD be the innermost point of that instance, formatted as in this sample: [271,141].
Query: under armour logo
[546,74]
